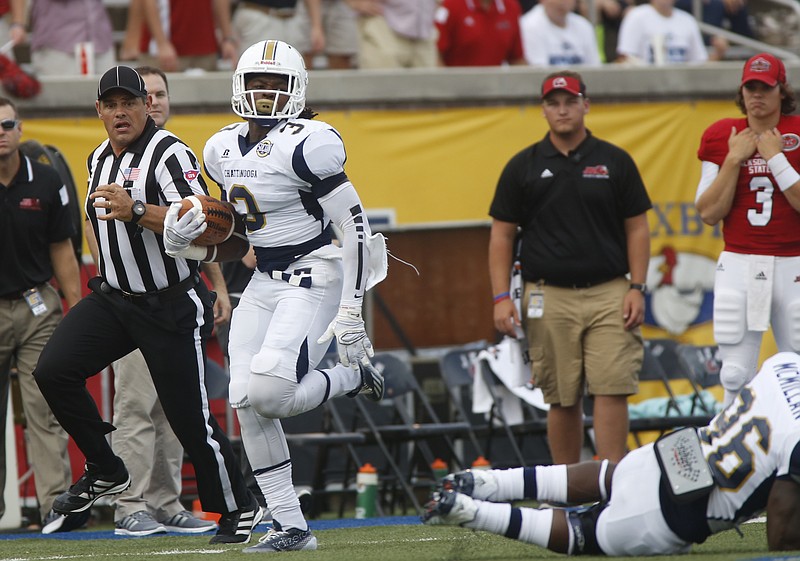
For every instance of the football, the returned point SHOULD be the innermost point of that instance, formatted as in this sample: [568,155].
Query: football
[219,218]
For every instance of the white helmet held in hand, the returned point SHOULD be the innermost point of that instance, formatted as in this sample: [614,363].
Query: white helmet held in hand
[276,58]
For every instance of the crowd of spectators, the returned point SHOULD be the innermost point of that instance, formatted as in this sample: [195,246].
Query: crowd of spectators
[77,36]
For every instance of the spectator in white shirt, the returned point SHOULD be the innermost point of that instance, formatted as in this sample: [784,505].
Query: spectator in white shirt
[658,33]
[554,35]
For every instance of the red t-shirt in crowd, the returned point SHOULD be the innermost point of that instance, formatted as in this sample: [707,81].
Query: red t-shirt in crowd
[190,28]
[471,35]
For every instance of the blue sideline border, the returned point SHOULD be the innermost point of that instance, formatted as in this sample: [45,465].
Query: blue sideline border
[314,524]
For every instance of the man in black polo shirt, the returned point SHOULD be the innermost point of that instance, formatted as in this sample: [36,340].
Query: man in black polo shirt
[36,230]
[581,206]
[143,299]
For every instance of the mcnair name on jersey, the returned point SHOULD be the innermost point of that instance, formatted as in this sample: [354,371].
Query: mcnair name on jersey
[789,381]
[238,173]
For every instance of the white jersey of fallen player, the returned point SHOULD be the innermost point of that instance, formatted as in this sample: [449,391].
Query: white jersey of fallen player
[756,439]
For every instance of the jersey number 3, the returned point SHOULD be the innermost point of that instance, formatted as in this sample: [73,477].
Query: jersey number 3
[763,188]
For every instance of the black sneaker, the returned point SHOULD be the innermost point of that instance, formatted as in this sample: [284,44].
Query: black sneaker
[371,383]
[237,527]
[91,486]
[55,522]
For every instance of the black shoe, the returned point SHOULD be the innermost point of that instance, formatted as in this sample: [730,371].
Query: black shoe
[55,522]
[371,383]
[306,500]
[91,486]
[237,527]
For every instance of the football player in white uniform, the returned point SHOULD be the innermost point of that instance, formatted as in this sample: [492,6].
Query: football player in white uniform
[750,452]
[284,173]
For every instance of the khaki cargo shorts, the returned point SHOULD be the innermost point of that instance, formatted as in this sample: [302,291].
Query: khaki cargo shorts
[580,342]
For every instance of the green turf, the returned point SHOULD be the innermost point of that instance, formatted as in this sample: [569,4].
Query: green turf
[385,543]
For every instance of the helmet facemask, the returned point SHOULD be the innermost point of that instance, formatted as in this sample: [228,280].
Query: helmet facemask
[266,105]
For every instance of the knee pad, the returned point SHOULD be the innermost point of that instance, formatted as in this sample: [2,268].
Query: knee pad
[582,525]
[729,317]
[733,376]
[266,361]
[270,396]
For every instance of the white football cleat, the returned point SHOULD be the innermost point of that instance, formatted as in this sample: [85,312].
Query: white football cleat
[449,508]
[479,483]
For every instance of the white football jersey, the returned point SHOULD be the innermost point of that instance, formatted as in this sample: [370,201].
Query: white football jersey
[756,439]
[277,182]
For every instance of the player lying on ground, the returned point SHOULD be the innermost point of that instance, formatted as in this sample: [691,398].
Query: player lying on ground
[749,456]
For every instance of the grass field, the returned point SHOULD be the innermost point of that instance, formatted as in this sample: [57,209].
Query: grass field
[375,543]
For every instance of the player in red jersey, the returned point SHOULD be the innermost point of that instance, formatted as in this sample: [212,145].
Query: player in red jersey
[749,182]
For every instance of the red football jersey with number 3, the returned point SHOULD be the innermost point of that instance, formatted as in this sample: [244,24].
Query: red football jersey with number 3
[761,221]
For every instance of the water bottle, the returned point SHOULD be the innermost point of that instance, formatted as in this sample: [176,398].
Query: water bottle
[439,468]
[367,491]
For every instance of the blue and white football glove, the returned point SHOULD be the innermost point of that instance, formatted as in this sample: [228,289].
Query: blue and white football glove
[179,233]
[352,341]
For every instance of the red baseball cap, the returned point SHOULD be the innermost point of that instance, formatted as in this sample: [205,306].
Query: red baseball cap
[766,68]
[566,83]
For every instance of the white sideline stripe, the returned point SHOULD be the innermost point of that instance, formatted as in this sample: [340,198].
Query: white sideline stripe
[131,555]
[147,555]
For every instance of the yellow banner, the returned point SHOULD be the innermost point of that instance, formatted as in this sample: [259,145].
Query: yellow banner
[441,165]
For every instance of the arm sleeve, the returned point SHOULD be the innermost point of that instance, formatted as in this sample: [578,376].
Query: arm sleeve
[708,174]
[346,211]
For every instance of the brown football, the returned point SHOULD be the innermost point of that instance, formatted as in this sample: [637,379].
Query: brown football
[219,218]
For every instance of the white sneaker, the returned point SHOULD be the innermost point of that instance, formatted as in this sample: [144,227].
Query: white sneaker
[479,484]
[449,508]
[292,539]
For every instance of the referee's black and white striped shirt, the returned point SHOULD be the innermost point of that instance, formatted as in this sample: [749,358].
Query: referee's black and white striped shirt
[159,169]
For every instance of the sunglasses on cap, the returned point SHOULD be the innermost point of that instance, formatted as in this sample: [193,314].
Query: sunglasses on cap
[9,124]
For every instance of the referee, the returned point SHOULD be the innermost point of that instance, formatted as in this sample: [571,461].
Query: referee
[143,299]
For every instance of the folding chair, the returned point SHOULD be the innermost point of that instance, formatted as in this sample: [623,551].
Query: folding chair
[403,426]
[531,423]
[702,365]
[455,368]
[312,436]
[662,365]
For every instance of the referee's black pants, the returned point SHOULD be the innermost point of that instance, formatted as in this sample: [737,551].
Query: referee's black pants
[170,332]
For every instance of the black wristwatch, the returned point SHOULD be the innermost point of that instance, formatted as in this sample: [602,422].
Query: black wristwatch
[640,287]
[138,209]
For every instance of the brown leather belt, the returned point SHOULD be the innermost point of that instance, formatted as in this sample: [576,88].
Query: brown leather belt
[575,285]
[282,13]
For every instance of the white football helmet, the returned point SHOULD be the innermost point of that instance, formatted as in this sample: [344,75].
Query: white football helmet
[270,57]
